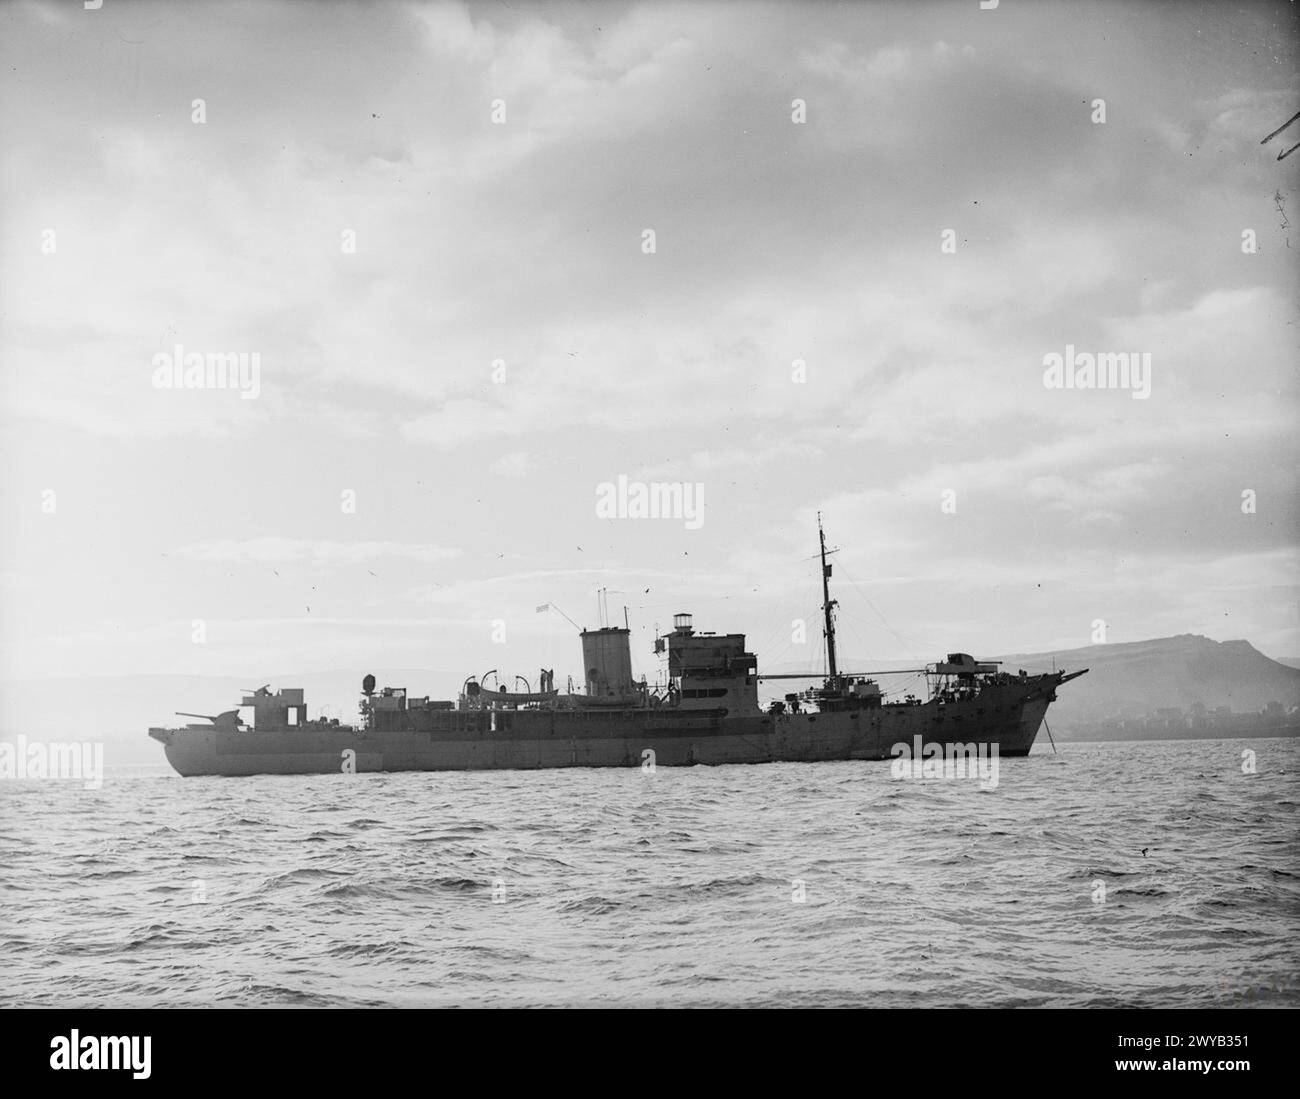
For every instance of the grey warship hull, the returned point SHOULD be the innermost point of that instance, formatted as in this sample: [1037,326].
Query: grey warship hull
[1006,716]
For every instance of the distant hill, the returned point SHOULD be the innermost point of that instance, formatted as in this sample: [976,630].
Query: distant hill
[1136,678]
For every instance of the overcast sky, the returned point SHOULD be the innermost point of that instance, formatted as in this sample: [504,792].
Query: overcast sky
[127,227]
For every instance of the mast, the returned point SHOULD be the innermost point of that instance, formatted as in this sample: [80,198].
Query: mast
[828,604]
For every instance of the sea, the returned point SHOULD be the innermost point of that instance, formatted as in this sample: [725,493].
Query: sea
[1152,874]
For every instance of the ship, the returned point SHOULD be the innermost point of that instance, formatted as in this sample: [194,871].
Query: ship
[705,710]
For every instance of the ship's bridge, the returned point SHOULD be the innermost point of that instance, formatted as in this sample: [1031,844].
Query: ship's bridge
[708,670]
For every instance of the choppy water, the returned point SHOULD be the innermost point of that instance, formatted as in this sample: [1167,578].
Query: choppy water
[616,887]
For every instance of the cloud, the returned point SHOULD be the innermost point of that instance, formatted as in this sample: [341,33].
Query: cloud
[319,554]
[777,243]
[517,463]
